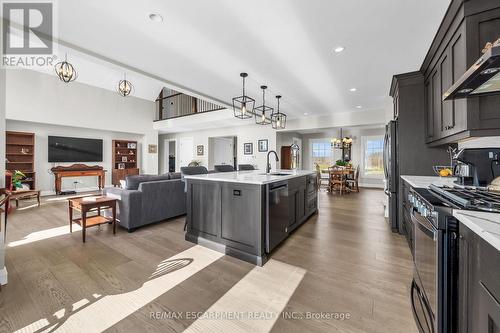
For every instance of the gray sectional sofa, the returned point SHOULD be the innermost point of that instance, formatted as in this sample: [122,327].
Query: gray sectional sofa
[148,199]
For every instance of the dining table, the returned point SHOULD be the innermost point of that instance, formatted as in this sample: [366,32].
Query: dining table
[339,172]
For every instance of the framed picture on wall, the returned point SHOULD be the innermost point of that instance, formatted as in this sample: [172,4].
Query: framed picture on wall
[153,149]
[263,145]
[199,150]
[248,148]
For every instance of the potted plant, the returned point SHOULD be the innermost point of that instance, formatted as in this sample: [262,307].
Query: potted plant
[17,177]
[341,163]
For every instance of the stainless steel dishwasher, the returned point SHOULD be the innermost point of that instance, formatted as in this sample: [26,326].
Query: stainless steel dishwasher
[277,214]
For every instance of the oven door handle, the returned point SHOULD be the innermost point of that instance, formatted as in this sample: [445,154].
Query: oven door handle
[414,289]
[427,231]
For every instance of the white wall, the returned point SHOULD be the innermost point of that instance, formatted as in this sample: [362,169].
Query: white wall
[3,271]
[44,178]
[43,99]
[244,134]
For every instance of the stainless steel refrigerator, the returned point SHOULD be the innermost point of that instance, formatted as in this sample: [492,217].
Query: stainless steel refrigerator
[391,171]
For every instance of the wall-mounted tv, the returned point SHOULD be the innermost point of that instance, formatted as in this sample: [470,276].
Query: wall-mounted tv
[65,149]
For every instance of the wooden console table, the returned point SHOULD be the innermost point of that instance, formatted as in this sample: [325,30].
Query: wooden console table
[78,170]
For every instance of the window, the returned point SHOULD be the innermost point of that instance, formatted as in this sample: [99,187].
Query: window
[321,152]
[373,147]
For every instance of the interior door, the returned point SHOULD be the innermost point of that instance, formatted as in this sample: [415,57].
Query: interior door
[186,149]
[223,151]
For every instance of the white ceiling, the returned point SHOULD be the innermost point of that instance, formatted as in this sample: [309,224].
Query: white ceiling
[286,44]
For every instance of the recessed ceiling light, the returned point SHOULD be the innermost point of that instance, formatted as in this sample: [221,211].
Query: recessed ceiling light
[156,17]
[353,89]
[358,106]
[339,49]
[305,113]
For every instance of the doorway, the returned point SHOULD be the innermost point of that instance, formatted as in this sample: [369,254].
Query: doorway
[222,151]
[171,156]
[167,155]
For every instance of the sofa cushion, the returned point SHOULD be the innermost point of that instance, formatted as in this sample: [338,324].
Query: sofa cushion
[133,181]
[174,175]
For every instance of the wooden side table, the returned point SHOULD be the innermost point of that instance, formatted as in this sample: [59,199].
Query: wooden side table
[87,205]
[24,194]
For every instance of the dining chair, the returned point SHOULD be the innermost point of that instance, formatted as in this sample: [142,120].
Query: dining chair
[245,167]
[336,180]
[224,168]
[354,183]
[318,177]
[4,208]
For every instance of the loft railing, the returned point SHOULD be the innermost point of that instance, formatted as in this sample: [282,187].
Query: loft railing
[177,104]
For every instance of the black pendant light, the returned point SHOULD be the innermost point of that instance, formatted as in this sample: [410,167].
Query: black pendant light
[263,113]
[125,87]
[278,119]
[243,105]
[65,71]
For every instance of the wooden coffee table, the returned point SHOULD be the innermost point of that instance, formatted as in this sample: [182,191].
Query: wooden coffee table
[91,204]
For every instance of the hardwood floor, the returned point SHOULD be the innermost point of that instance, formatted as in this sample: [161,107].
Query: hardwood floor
[343,262]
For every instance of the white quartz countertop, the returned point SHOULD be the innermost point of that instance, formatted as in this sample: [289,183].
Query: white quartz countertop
[426,181]
[257,177]
[485,225]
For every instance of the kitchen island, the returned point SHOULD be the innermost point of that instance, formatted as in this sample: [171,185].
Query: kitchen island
[246,214]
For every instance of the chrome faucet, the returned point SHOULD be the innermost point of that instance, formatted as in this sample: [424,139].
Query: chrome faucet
[268,165]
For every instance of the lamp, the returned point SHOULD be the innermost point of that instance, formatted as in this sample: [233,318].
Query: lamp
[243,105]
[278,119]
[65,71]
[342,142]
[263,113]
[125,87]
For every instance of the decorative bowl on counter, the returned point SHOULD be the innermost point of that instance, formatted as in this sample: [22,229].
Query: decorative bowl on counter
[443,170]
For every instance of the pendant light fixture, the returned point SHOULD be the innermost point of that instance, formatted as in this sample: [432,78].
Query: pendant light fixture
[278,119]
[243,105]
[342,142]
[263,113]
[125,87]
[65,71]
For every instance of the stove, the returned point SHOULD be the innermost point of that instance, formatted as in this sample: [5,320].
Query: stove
[469,198]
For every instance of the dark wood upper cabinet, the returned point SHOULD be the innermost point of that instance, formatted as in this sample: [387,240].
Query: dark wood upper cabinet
[466,28]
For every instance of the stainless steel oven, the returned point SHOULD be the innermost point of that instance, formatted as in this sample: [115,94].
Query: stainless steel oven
[433,289]
[424,286]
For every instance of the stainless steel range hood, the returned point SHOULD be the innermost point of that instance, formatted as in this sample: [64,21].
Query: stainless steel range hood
[482,78]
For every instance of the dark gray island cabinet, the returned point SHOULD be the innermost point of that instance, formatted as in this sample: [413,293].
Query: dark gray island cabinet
[246,214]
[479,272]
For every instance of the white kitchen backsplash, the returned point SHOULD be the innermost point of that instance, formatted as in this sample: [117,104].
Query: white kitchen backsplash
[486,142]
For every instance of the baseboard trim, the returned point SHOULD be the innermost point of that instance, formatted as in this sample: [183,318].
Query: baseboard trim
[381,186]
[3,276]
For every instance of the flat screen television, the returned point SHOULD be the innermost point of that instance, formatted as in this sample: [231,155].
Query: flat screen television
[65,149]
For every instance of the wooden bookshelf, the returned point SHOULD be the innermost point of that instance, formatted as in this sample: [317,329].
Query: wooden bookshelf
[124,160]
[20,155]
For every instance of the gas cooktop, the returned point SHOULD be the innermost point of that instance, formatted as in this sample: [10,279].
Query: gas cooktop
[468,197]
